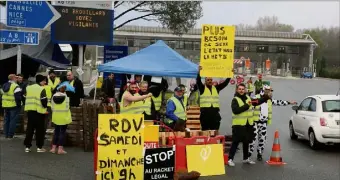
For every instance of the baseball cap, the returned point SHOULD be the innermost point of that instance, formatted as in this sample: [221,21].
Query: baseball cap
[178,89]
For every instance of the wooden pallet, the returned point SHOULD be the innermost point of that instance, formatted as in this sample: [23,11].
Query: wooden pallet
[193,118]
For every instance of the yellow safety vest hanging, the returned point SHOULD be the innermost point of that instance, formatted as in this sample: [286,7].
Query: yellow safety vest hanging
[157,101]
[194,98]
[250,87]
[55,84]
[8,99]
[48,90]
[33,101]
[132,108]
[241,119]
[210,98]
[180,110]
[61,114]
[257,110]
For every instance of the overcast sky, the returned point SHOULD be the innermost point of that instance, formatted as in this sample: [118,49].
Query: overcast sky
[304,14]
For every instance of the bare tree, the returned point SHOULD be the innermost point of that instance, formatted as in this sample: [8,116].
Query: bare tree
[271,23]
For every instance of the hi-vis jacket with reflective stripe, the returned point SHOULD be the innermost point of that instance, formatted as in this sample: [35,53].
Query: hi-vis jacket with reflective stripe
[61,114]
[8,99]
[157,101]
[241,119]
[210,98]
[180,110]
[257,110]
[55,84]
[48,90]
[132,108]
[143,106]
[185,99]
[33,99]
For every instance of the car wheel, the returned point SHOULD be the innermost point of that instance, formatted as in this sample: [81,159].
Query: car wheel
[292,134]
[313,142]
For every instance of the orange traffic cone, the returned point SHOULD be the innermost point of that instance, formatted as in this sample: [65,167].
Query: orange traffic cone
[275,157]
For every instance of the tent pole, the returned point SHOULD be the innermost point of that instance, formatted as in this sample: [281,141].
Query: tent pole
[81,59]
[95,88]
[19,59]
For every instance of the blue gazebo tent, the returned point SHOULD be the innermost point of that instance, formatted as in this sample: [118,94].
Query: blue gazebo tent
[155,60]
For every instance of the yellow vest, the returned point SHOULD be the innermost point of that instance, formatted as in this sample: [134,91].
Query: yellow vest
[208,99]
[157,101]
[250,87]
[132,108]
[180,110]
[194,98]
[61,114]
[144,106]
[241,119]
[185,99]
[55,84]
[72,83]
[48,90]
[257,111]
[8,99]
[33,102]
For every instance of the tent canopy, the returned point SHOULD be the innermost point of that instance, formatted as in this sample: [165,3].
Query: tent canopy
[155,60]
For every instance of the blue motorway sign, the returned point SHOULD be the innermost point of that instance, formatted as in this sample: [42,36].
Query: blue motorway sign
[31,14]
[19,37]
[112,53]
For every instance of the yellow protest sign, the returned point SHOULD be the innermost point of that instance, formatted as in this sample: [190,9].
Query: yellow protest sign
[151,136]
[206,159]
[217,51]
[151,133]
[120,147]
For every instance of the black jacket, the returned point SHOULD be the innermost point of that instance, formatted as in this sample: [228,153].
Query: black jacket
[79,93]
[108,87]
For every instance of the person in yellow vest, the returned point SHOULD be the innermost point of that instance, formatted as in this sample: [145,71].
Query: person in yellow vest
[49,91]
[262,118]
[176,114]
[147,107]
[157,100]
[53,81]
[250,86]
[128,103]
[61,117]
[242,122]
[75,97]
[185,95]
[209,102]
[194,95]
[36,108]
[11,103]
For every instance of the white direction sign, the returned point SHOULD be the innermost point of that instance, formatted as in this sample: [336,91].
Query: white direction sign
[85,4]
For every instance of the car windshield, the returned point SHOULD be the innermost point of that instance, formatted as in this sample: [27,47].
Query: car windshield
[331,106]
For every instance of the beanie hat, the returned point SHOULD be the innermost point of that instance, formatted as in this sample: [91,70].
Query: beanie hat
[39,78]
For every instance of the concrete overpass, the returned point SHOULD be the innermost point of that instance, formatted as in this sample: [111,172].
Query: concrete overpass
[299,53]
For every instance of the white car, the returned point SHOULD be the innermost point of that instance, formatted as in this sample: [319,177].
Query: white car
[317,119]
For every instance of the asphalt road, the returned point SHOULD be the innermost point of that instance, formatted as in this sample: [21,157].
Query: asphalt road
[302,162]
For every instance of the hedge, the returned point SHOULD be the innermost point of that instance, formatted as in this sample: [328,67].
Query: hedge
[333,73]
